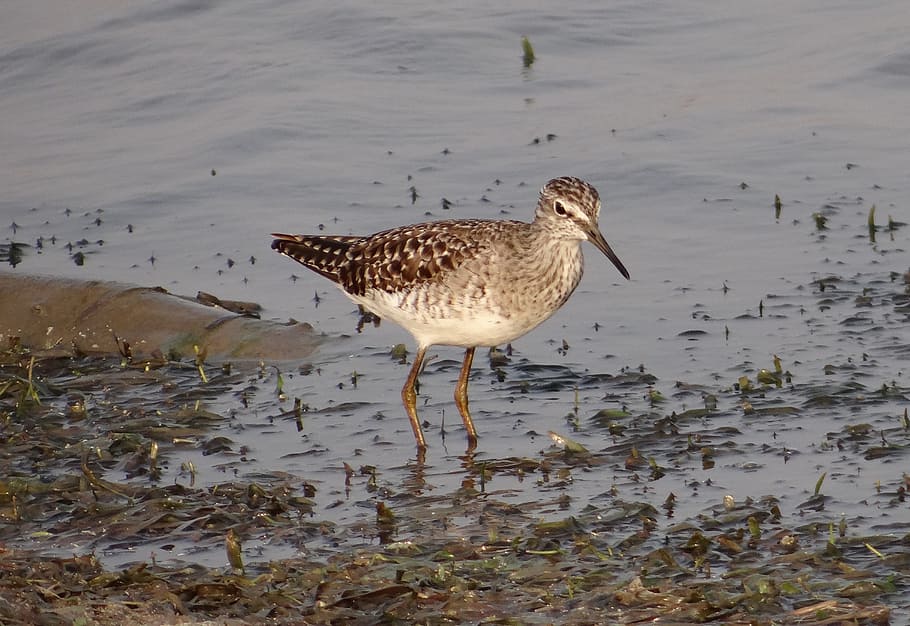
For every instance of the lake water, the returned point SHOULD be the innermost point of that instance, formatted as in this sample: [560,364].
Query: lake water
[183,133]
[325,116]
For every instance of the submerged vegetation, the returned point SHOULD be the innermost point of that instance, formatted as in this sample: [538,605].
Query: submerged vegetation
[180,486]
[103,457]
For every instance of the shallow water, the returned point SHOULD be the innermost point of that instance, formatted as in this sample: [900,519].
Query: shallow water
[202,127]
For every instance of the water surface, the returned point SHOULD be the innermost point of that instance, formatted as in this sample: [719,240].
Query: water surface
[180,134]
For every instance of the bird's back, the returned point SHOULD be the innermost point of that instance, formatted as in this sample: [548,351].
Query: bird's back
[394,260]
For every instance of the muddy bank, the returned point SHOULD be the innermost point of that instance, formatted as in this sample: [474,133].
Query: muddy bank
[156,492]
[99,457]
[67,316]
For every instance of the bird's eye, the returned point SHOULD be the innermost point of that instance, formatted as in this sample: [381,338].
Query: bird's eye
[559,208]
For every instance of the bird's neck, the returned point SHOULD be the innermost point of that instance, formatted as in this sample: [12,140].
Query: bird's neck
[554,259]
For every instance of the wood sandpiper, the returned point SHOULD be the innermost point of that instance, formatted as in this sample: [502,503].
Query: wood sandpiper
[465,283]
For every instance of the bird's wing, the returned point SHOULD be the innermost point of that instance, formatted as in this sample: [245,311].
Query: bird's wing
[324,254]
[405,257]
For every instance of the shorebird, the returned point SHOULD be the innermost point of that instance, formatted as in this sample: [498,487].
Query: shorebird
[467,282]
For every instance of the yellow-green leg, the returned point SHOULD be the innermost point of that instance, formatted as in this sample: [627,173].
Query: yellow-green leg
[461,397]
[409,397]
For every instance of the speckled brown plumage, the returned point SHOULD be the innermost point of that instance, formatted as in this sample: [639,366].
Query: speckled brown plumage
[465,282]
[392,260]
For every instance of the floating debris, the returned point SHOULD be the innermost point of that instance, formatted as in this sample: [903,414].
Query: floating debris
[871,224]
[527,53]
[232,547]
[569,445]
[399,352]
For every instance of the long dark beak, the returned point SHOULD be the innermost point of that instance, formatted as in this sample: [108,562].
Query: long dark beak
[595,237]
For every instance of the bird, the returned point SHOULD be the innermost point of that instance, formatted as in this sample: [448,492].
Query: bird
[465,282]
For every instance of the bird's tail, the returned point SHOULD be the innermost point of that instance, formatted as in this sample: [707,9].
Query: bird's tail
[324,254]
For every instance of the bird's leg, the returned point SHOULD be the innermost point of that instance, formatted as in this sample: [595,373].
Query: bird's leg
[409,397]
[461,397]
